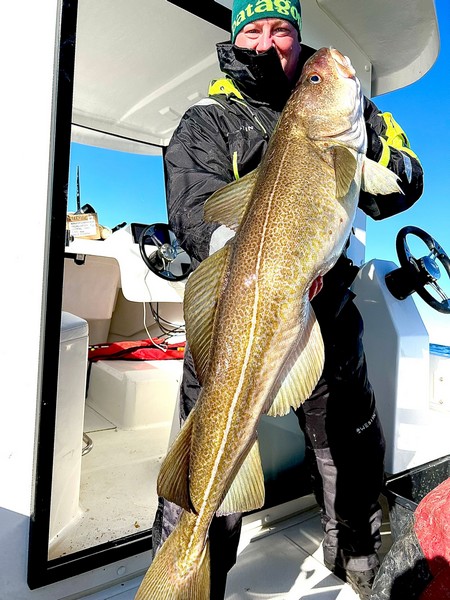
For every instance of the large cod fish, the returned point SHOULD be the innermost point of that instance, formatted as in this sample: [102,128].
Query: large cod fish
[255,341]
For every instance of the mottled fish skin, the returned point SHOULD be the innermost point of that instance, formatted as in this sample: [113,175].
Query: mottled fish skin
[260,350]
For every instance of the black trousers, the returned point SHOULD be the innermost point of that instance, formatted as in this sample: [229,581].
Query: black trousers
[345,445]
[344,449]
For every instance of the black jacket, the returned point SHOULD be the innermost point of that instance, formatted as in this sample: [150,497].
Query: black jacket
[225,135]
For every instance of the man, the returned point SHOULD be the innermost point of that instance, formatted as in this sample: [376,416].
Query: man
[223,138]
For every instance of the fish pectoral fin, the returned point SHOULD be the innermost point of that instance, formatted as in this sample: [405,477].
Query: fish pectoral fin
[302,369]
[377,179]
[228,204]
[345,165]
[173,478]
[200,301]
[247,489]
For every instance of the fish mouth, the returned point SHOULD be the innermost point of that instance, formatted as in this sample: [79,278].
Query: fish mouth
[343,64]
[354,135]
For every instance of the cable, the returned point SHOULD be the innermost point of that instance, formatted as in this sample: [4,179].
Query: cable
[148,332]
[162,322]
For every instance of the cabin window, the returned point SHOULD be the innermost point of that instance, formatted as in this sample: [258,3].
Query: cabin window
[128,408]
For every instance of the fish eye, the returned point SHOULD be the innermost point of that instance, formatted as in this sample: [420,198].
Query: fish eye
[315,78]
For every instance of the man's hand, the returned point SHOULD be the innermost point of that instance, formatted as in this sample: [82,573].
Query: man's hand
[219,238]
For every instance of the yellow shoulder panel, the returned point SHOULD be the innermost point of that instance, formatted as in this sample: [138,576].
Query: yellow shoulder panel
[224,86]
[394,137]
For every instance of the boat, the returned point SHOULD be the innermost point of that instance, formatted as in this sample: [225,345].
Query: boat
[82,439]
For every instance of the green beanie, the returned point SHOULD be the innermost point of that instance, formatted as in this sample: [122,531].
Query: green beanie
[246,11]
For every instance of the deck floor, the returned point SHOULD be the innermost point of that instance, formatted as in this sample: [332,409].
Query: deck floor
[279,557]
[281,562]
[117,491]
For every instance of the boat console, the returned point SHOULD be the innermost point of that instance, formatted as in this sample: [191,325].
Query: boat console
[409,379]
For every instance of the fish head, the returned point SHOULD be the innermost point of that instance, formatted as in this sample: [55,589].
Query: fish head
[329,102]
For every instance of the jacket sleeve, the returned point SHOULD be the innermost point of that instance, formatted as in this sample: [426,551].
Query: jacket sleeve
[388,145]
[197,163]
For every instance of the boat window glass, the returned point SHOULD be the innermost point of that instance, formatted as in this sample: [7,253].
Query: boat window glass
[122,438]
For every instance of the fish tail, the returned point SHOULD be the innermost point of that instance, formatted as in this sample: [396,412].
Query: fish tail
[176,574]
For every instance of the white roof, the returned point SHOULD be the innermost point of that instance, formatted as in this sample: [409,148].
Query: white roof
[141,63]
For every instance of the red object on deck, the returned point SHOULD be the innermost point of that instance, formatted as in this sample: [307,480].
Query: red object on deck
[432,528]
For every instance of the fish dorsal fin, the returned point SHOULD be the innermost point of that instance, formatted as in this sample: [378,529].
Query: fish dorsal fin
[173,478]
[302,369]
[200,300]
[247,490]
[228,205]
[377,179]
[345,165]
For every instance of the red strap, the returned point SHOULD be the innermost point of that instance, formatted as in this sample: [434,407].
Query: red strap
[155,349]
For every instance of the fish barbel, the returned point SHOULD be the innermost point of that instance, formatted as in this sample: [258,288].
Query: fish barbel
[254,338]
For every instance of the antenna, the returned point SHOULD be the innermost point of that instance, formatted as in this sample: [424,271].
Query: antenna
[78,190]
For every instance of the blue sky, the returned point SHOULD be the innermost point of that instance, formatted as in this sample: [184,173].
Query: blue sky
[131,188]
[423,110]
[119,186]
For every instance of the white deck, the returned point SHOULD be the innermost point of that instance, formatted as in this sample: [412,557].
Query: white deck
[283,562]
[117,492]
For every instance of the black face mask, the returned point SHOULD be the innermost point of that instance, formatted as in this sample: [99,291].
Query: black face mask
[259,75]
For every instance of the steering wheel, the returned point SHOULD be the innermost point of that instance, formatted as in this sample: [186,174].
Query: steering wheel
[169,261]
[417,273]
